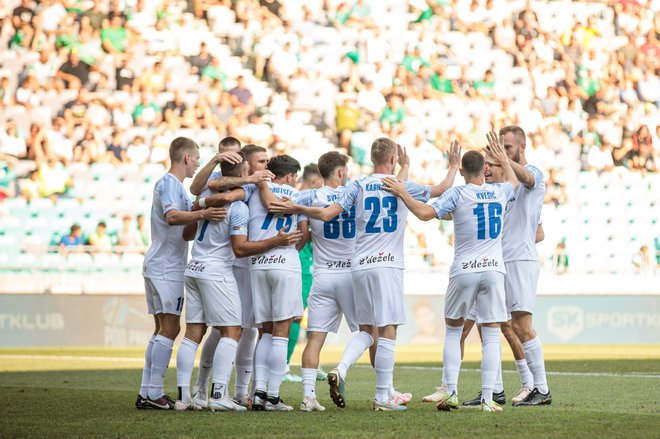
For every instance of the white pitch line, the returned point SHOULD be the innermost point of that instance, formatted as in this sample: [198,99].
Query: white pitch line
[403,366]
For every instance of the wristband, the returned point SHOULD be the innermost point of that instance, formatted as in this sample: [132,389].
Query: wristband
[202,202]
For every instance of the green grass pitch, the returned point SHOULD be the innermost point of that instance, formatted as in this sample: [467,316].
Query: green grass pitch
[90,393]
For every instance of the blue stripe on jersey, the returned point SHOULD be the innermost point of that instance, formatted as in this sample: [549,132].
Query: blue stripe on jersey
[347,199]
[307,197]
[447,202]
[418,191]
[239,215]
[171,194]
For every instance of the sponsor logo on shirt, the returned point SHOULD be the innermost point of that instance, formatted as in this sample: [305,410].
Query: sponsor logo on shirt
[196,266]
[377,258]
[268,260]
[480,263]
[339,264]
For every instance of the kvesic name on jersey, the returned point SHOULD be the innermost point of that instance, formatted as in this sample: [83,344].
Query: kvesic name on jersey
[485,195]
[374,259]
[476,263]
[273,259]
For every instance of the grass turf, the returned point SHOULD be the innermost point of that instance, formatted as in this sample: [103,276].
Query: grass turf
[76,392]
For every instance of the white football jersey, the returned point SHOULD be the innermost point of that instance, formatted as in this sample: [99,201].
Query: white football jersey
[380,220]
[522,219]
[206,191]
[478,213]
[166,257]
[334,240]
[264,225]
[212,255]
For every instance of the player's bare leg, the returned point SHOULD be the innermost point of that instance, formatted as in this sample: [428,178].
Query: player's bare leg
[141,402]
[522,325]
[352,352]
[310,364]
[168,329]
[185,363]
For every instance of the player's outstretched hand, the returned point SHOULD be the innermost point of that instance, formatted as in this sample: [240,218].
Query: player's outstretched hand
[393,186]
[285,239]
[495,148]
[404,158]
[454,154]
[229,156]
[215,214]
[283,205]
[260,176]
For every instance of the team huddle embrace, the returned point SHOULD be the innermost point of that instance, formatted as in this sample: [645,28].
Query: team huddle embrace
[244,277]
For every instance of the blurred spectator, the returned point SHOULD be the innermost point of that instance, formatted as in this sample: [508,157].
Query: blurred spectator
[10,142]
[74,73]
[74,241]
[7,179]
[129,237]
[100,241]
[114,36]
[600,158]
[642,260]
[54,180]
[144,233]
[147,112]
[555,192]
[560,259]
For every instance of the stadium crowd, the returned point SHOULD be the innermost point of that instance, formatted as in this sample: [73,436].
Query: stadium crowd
[95,82]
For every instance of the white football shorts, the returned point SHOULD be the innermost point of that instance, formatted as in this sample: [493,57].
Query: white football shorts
[484,289]
[164,296]
[522,279]
[213,302]
[331,297]
[378,294]
[276,295]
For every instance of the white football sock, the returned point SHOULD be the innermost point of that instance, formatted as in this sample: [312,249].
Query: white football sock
[276,365]
[309,382]
[526,377]
[206,358]
[499,382]
[384,366]
[534,357]
[223,363]
[261,355]
[146,371]
[185,363]
[353,351]
[160,360]
[244,360]
[491,348]
[451,357]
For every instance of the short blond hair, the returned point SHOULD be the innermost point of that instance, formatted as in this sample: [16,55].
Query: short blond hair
[381,150]
[180,147]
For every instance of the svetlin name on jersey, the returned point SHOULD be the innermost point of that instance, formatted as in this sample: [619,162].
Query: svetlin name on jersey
[480,263]
[374,259]
[272,259]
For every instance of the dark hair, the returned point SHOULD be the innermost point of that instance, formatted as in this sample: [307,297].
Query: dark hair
[473,163]
[180,147]
[233,170]
[330,161]
[283,165]
[310,171]
[250,149]
[229,141]
[516,130]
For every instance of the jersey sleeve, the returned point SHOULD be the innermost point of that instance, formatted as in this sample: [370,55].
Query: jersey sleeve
[418,191]
[537,173]
[447,202]
[509,191]
[249,190]
[171,197]
[347,199]
[239,216]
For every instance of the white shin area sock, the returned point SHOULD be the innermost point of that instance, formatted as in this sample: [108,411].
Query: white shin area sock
[526,377]
[276,365]
[384,366]
[309,382]
[206,358]
[146,371]
[223,362]
[498,387]
[490,361]
[261,355]
[451,357]
[353,351]
[536,363]
[185,363]
[244,361]
[160,360]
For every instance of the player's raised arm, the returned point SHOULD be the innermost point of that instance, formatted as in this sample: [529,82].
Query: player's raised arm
[189,232]
[200,180]
[540,234]
[421,210]
[182,218]
[242,247]
[287,205]
[497,151]
[404,163]
[226,183]
[221,199]
[454,161]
